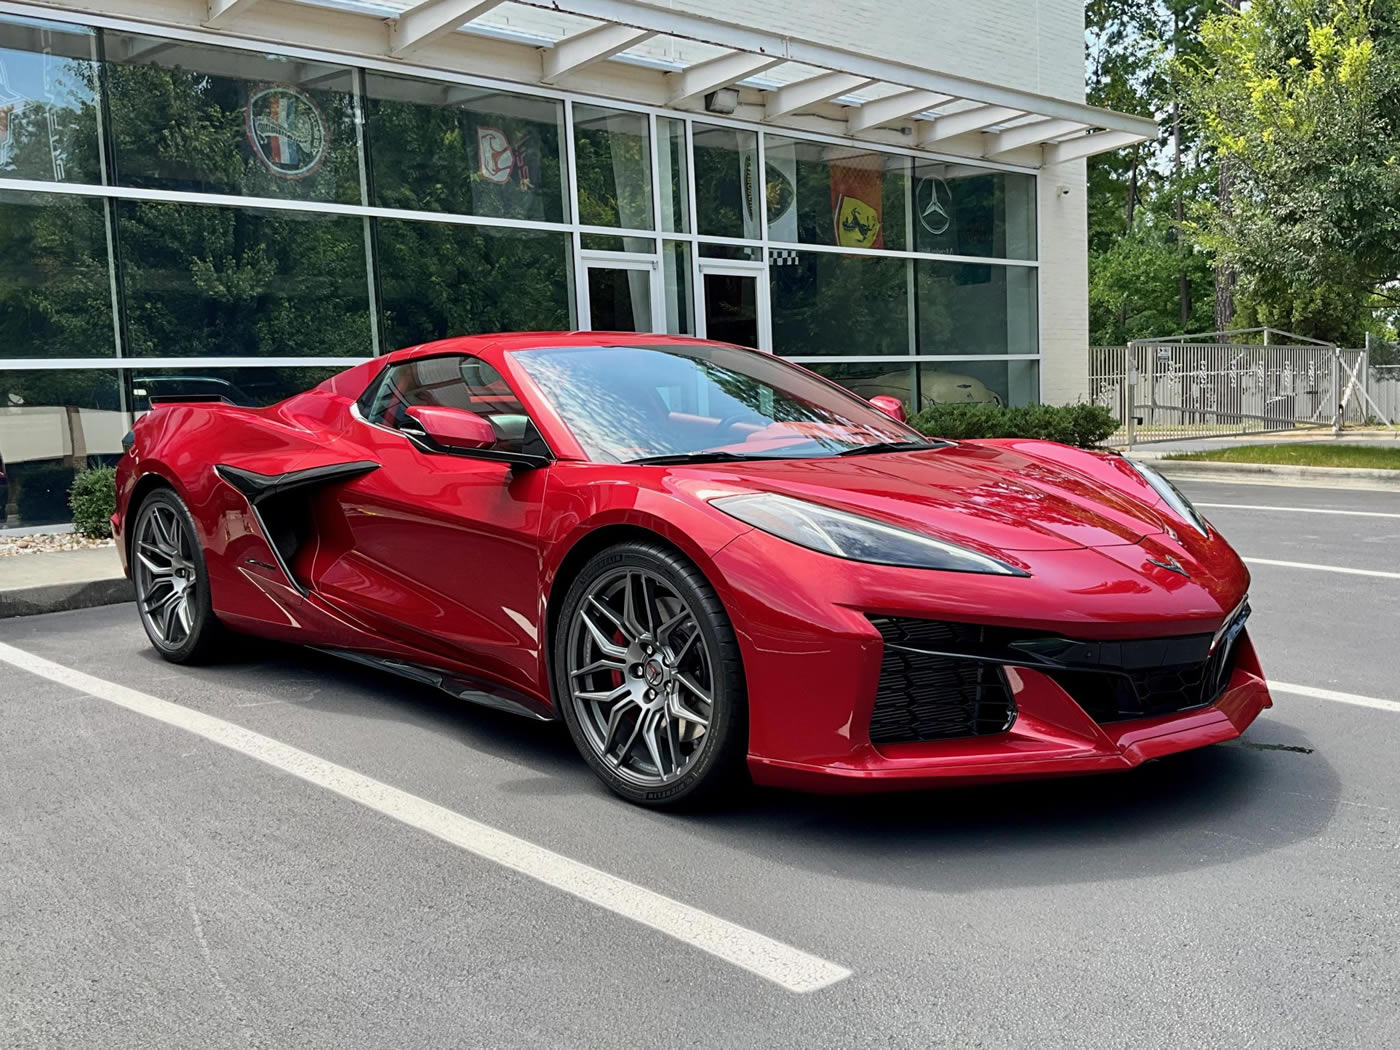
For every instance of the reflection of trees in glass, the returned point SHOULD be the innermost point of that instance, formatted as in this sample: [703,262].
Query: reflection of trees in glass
[810,164]
[204,281]
[48,113]
[974,308]
[440,279]
[55,292]
[840,304]
[613,155]
[427,157]
[182,128]
[719,186]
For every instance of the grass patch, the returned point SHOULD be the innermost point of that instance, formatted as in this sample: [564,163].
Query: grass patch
[1386,458]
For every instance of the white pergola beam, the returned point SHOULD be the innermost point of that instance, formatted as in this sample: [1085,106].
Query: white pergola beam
[423,23]
[581,50]
[725,32]
[810,92]
[893,108]
[715,73]
[1088,145]
[968,120]
[221,12]
[1029,135]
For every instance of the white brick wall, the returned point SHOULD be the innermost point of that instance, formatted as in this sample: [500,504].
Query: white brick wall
[1064,283]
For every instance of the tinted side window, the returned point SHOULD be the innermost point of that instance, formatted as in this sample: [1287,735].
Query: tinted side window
[452,382]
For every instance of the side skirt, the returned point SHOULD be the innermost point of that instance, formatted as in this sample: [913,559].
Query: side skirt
[463,687]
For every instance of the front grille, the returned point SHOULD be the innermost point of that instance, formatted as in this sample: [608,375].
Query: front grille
[1116,695]
[941,680]
[922,696]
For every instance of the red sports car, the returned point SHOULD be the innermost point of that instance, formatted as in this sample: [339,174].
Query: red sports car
[710,563]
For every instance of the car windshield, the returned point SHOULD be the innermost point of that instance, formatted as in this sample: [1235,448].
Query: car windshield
[639,403]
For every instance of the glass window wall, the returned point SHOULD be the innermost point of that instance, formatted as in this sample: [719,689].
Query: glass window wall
[837,195]
[975,308]
[472,151]
[441,279]
[849,233]
[48,102]
[55,284]
[53,424]
[204,281]
[612,150]
[841,305]
[218,120]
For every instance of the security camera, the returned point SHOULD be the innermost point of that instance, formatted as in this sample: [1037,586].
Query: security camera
[1062,190]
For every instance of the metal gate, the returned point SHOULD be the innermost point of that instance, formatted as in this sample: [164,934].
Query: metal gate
[1169,389]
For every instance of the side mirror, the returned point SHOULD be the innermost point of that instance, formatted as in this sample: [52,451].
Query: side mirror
[453,428]
[891,406]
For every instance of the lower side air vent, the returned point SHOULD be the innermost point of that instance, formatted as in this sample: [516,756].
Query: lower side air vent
[923,696]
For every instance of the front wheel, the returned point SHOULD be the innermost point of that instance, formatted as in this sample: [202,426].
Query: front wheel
[648,677]
[171,580]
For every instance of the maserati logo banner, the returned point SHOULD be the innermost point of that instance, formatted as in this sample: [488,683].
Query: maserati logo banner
[287,131]
[857,201]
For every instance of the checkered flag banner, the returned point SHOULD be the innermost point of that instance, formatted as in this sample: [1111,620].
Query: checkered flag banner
[782,256]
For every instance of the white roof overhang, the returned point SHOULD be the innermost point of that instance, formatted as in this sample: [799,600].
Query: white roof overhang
[644,52]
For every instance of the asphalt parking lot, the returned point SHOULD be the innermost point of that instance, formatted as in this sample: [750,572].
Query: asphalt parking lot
[159,888]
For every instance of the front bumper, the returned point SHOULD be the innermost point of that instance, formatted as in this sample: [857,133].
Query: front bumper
[812,660]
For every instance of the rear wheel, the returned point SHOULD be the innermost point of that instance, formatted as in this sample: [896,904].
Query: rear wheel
[171,580]
[648,677]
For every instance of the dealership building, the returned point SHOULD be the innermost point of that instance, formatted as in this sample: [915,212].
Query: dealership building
[240,197]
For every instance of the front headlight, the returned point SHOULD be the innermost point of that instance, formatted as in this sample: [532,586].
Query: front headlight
[852,536]
[1171,495]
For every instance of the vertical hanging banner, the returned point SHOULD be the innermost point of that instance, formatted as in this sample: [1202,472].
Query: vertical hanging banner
[752,192]
[781,190]
[857,200]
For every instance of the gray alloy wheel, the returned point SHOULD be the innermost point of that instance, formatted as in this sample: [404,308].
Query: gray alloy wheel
[647,671]
[171,582]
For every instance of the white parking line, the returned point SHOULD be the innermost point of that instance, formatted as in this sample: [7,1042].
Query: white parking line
[1298,510]
[1324,568]
[1332,694]
[791,968]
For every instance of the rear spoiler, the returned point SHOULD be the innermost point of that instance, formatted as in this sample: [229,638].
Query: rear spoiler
[188,399]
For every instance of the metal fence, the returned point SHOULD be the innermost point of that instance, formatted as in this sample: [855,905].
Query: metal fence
[1383,384]
[1169,391]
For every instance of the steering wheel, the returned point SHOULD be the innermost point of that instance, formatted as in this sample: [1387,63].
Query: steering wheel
[735,418]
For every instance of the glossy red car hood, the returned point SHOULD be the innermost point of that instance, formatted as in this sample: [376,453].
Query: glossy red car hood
[995,496]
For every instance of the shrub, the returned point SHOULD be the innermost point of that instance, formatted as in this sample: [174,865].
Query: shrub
[1079,424]
[93,499]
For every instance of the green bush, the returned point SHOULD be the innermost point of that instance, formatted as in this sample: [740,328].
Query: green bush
[43,493]
[93,499]
[1080,424]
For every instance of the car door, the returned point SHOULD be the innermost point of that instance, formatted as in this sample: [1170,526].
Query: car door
[440,549]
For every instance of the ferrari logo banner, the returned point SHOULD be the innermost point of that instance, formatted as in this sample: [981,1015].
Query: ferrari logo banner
[857,202]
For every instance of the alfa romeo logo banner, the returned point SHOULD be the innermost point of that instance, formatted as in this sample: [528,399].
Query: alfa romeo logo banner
[287,131]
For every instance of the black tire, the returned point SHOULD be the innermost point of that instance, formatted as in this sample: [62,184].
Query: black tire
[205,632]
[720,767]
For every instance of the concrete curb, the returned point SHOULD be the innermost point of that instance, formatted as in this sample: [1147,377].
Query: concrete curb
[1365,478]
[61,597]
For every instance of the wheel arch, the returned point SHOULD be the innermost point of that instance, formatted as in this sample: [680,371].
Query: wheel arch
[146,484]
[599,539]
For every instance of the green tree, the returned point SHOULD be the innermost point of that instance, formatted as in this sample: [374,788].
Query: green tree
[1302,99]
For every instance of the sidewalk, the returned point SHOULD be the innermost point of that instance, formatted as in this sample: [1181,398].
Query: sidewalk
[61,580]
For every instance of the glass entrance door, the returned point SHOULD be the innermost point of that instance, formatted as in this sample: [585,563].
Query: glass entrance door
[619,296]
[733,306]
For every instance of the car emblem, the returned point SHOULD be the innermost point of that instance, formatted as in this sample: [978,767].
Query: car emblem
[1171,565]
[654,673]
[287,131]
[933,199]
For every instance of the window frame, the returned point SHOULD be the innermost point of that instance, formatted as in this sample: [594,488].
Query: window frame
[426,445]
